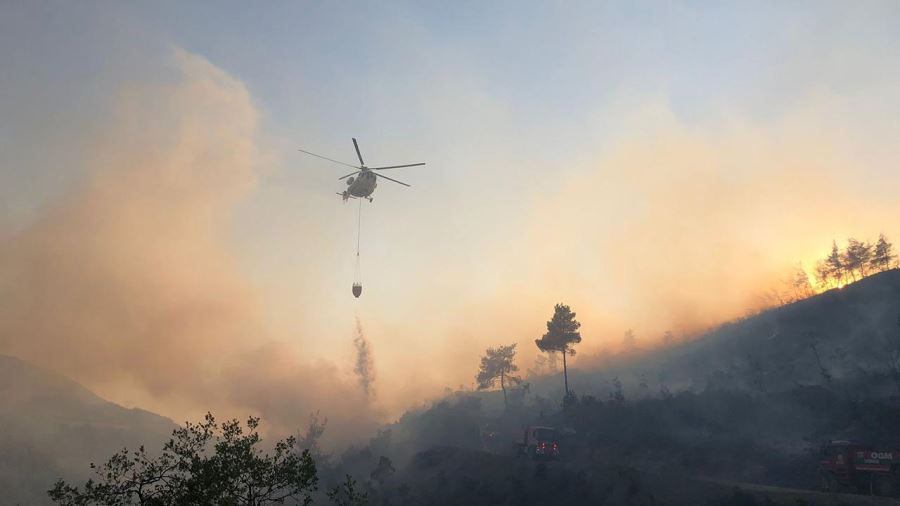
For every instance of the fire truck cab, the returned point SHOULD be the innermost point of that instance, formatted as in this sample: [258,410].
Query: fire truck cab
[849,466]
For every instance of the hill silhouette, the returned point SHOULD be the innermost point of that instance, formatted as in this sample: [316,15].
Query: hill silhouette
[52,427]
[749,402]
[853,329]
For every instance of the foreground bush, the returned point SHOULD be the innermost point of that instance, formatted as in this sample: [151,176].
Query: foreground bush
[203,464]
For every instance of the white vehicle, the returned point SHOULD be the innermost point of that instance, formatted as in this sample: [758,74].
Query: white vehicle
[539,442]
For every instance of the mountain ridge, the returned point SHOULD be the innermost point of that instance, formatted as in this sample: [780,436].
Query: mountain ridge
[52,427]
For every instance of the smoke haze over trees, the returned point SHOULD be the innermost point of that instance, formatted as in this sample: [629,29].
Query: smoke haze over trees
[629,341]
[748,402]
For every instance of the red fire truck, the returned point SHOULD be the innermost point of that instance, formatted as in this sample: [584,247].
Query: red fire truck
[848,466]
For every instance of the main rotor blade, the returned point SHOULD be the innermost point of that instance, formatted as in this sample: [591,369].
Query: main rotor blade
[389,179]
[356,146]
[348,175]
[397,166]
[326,158]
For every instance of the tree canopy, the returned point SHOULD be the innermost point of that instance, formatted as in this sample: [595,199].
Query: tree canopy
[883,256]
[858,260]
[204,464]
[562,331]
[498,364]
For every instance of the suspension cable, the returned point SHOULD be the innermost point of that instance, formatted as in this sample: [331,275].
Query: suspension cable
[358,226]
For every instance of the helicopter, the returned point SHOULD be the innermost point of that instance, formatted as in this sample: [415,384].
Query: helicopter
[361,183]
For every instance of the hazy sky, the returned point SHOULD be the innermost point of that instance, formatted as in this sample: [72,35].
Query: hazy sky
[655,165]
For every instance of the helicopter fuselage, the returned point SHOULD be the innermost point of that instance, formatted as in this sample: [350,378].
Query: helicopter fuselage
[362,186]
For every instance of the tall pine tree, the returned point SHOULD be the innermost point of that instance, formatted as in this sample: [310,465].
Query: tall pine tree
[562,334]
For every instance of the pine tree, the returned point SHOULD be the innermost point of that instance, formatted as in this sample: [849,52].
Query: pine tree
[835,264]
[497,365]
[857,257]
[562,334]
[823,273]
[883,255]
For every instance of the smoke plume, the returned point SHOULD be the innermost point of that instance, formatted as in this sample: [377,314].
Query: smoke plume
[128,283]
